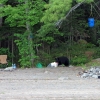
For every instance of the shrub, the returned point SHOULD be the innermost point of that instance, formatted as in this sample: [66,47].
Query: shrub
[79,60]
[43,58]
[97,53]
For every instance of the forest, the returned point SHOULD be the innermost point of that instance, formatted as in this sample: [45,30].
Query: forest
[33,31]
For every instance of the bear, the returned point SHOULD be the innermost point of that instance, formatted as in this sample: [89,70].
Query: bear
[62,60]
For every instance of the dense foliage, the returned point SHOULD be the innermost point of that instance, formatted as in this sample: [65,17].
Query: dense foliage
[33,31]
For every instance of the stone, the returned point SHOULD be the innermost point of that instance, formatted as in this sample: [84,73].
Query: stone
[95,76]
[85,75]
[93,72]
[63,78]
[9,69]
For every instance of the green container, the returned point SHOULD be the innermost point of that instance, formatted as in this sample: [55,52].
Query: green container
[39,65]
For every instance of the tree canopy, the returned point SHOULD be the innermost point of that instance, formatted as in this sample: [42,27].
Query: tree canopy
[30,28]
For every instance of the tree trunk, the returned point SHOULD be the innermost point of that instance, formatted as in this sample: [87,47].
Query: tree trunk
[30,41]
[12,50]
[0,21]
[1,18]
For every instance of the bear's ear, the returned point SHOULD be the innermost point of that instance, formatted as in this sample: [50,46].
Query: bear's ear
[56,59]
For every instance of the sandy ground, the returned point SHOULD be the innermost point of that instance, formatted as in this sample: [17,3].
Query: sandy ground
[62,83]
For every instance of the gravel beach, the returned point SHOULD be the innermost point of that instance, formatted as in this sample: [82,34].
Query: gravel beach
[61,83]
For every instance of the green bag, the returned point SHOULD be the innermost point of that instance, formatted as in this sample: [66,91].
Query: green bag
[39,65]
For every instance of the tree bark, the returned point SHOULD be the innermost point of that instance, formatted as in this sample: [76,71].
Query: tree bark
[1,21]
[28,28]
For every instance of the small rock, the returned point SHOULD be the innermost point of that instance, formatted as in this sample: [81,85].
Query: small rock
[9,69]
[71,66]
[63,78]
[91,70]
[95,76]
[46,72]
[90,74]
[1,69]
[99,77]
[85,75]
[80,73]
[97,69]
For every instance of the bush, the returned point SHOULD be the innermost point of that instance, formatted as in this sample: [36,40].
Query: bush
[79,60]
[90,45]
[43,58]
[97,53]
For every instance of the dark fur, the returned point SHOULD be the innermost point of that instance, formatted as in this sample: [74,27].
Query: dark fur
[62,60]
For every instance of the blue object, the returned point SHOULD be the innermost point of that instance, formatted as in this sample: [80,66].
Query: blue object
[91,22]
[14,66]
[31,35]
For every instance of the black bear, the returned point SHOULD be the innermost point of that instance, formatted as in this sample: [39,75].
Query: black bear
[62,60]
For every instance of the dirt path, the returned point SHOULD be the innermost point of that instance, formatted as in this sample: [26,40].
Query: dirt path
[47,84]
